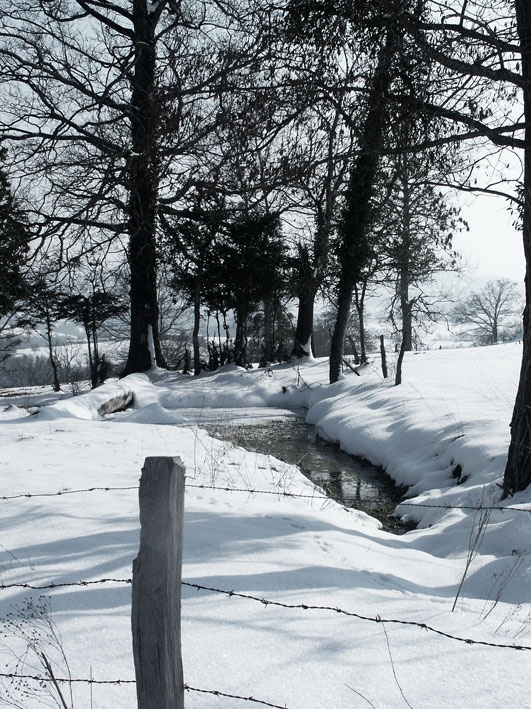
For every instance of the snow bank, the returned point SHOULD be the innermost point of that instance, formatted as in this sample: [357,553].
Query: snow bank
[443,432]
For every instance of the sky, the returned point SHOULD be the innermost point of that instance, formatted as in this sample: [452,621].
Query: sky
[492,248]
[270,570]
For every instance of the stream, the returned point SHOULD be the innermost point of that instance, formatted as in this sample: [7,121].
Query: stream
[350,480]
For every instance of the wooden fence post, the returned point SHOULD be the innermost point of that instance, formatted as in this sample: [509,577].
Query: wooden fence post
[156,603]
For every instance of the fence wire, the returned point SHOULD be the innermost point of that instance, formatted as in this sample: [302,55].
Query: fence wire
[83,680]
[280,604]
[256,491]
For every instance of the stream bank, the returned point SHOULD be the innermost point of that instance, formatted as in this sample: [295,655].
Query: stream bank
[347,479]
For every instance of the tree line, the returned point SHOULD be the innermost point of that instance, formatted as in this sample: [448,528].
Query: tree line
[241,153]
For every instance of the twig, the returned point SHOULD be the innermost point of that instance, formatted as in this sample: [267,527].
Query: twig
[360,695]
[480,521]
[393,665]
[49,669]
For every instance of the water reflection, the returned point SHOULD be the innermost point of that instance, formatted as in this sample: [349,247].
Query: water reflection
[350,480]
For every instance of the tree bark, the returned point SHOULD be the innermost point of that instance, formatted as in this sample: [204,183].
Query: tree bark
[518,469]
[311,274]
[406,306]
[383,357]
[240,338]
[143,187]
[400,359]
[359,302]
[406,310]
[302,346]
[49,339]
[269,354]
[91,358]
[197,324]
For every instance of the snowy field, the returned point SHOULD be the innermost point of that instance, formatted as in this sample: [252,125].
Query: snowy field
[398,638]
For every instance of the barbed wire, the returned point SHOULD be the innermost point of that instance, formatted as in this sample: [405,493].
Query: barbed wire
[279,493]
[217,693]
[223,488]
[86,680]
[49,586]
[66,492]
[359,616]
[281,604]
[254,491]
[73,680]
[499,508]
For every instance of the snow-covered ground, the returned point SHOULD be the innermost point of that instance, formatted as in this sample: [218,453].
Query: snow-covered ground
[444,432]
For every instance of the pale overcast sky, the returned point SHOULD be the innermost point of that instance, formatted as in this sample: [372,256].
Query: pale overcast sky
[492,248]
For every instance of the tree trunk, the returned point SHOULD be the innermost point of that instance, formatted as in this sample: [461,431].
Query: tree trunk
[302,346]
[240,339]
[354,349]
[49,338]
[406,306]
[337,344]
[357,216]
[312,272]
[91,358]
[383,357]
[518,469]
[269,355]
[406,310]
[359,301]
[398,375]
[143,188]
[197,324]
[495,332]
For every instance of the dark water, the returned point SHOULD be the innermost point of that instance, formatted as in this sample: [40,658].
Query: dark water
[347,479]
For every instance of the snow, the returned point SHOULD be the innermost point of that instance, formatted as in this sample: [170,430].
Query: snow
[444,432]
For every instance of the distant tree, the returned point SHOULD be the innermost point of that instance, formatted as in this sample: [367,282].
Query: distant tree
[370,276]
[9,340]
[40,310]
[189,246]
[488,310]
[357,339]
[420,224]
[270,334]
[92,311]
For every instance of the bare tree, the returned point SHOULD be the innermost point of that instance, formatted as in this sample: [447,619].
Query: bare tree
[487,311]
[106,106]
[329,148]
[419,221]
[354,250]
[39,312]
[483,51]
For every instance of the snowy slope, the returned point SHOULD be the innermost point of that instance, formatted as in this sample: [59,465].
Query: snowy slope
[453,409]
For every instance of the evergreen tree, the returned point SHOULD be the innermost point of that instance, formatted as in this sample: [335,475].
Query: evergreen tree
[251,265]
[14,246]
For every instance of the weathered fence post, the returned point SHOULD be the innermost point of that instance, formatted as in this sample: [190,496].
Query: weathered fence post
[156,604]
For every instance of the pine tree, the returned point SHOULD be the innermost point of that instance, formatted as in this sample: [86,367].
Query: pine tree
[14,240]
